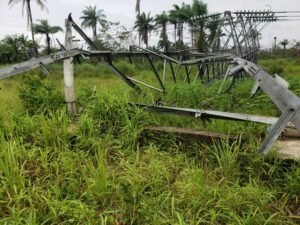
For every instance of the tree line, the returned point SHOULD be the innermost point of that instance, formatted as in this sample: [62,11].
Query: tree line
[201,30]
[180,20]
[16,48]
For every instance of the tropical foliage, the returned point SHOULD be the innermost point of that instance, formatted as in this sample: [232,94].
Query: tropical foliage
[27,6]
[45,29]
[179,16]
[144,25]
[15,48]
[105,168]
[161,21]
[91,17]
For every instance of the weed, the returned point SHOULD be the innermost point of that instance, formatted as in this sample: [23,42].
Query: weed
[39,97]
[95,171]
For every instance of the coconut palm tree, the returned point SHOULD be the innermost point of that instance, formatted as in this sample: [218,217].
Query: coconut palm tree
[144,26]
[26,4]
[284,43]
[174,19]
[92,16]
[186,15]
[45,29]
[137,7]
[179,16]
[215,33]
[161,21]
[12,42]
[199,10]
[15,48]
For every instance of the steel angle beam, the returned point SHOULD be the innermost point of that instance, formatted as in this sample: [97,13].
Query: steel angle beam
[156,73]
[38,62]
[158,54]
[209,114]
[276,130]
[123,77]
[277,90]
[216,57]
[146,85]
[278,124]
[81,33]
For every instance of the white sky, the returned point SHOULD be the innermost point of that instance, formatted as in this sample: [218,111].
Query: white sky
[11,20]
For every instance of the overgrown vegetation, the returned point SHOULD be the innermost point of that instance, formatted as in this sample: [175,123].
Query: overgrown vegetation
[99,170]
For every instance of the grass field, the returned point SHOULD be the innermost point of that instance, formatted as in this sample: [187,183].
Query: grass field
[98,170]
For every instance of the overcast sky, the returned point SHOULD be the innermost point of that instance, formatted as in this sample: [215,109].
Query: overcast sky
[11,20]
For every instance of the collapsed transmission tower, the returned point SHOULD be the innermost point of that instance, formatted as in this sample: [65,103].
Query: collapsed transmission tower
[233,50]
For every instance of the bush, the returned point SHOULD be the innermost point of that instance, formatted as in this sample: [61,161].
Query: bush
[39,97]
[92,70]
[275,66]
[126,68]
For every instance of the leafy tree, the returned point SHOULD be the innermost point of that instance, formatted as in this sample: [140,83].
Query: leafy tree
[26,4]
[296,48]
[161,21]
[144,26]
[116,36]
[91,17]
[5,54]
[296,44]
[45,29]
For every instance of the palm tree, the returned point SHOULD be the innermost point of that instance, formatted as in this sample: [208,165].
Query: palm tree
[199,10]
[275,43]
[215,33]
[144,26]
[182,17]
[12,42]
[44,28]
[26,4]
[15,48]
[91,17]
[173,17]
[137,7]
[161,21]
[284,43]
[186,16]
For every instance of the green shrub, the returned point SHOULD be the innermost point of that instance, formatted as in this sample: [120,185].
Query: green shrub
[92,70]
[274,66]
[126,68]
[40,97]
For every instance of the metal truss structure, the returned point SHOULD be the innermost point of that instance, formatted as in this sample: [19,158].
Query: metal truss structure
[238,32]
[233,51]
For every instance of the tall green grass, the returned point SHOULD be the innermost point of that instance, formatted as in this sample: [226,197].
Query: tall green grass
[99,170]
